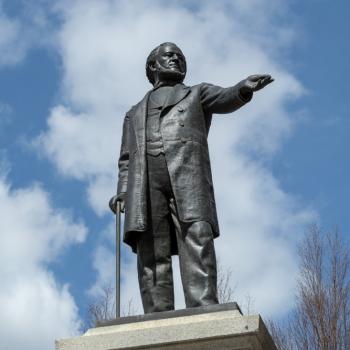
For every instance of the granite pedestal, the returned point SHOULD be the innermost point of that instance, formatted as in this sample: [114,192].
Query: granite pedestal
[216,327]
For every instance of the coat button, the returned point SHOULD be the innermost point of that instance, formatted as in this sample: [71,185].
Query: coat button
[180,109]
[182,124]
[183,140]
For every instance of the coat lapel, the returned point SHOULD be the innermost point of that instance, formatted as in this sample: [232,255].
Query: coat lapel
[179,92]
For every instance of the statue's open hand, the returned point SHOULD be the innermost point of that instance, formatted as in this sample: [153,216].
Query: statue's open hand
[114,201]
[258,81]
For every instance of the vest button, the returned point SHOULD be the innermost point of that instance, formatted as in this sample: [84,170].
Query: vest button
[183,140]
[182,124]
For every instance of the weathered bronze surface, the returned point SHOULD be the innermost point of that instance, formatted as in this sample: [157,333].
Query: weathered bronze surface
[165,182]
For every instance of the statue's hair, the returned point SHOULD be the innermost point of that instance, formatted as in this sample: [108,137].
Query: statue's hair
[151,59]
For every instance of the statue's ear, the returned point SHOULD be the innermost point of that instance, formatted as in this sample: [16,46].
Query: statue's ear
[152,66]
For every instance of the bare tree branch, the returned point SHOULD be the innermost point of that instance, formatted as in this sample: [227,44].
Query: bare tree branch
[321,318]
[225,291]
[103,308]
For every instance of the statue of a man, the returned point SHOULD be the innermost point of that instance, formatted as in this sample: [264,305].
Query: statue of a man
[165,182]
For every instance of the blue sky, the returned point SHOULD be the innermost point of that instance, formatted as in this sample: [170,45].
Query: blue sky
[68,73]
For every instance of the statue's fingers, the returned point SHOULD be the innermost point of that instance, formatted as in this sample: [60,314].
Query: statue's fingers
[254,78]
[266,81]
[112,207]
[263,76]
[262,81]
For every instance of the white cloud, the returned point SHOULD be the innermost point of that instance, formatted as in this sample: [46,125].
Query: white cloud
[11,46]
[104,45]
[31,27]
[18,34]
[35,308]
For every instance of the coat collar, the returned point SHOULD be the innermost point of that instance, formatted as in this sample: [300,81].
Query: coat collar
[178,93]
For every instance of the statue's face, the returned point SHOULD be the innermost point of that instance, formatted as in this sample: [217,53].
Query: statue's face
[170,64]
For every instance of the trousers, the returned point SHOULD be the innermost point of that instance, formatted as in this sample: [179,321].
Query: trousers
[195,246]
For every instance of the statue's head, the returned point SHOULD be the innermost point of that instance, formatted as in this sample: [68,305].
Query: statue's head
[166,63]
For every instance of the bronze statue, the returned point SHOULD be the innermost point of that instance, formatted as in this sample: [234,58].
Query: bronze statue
[165,181]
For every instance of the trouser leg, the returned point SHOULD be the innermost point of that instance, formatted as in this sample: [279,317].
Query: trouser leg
[154,246]
[155,271]
[198,264]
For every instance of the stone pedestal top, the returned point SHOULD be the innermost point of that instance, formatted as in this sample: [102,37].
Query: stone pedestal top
[172,314]
[220,327]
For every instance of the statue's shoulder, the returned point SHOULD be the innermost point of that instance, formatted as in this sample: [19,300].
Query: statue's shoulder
[205,85]
[131,111]
[201,86]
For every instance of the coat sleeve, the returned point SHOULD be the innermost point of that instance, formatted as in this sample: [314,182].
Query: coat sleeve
[216,99]
[123,162]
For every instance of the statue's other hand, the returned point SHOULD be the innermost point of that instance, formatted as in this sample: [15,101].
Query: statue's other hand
[115,199]
[257,82]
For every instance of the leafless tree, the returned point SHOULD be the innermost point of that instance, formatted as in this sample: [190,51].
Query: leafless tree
[225,291]
[104,308]
[321,318]
[248,305]
[281,335]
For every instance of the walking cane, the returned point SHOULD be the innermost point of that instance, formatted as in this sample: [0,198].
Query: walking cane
[117,261]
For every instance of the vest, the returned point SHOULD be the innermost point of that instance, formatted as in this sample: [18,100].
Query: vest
[154,141]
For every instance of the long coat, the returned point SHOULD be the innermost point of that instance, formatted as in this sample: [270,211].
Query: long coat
[185,122]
